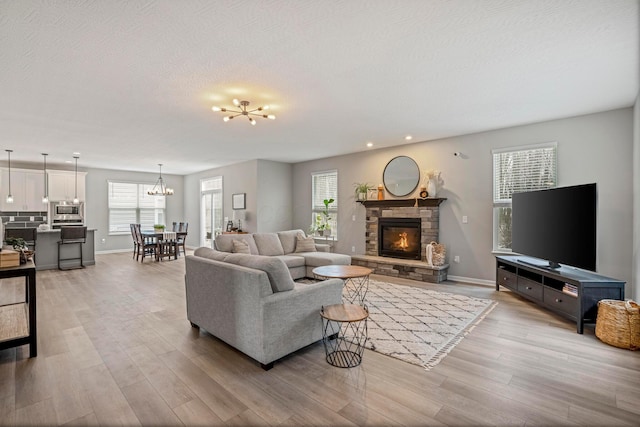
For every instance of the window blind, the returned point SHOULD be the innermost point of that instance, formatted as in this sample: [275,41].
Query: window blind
[129,203]
[520,170]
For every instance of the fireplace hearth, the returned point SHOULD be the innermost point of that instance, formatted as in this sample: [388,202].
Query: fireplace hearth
[399,237]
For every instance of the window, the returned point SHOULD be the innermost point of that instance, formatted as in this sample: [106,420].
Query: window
[211,221]
[515,170]
[129,203]
[324,185]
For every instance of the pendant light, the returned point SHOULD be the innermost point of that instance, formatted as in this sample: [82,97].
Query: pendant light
[45,198]
[75,199]
[160,189]
[9,196]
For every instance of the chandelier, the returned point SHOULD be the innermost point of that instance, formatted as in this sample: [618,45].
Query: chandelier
[160,189]
[244,111]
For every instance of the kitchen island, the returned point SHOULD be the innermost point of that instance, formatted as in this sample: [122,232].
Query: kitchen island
[47,250]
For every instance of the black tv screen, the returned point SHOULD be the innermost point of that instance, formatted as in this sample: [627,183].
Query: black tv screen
[557,225]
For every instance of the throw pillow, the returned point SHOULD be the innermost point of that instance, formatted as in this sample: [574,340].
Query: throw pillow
[240,247]
[305,244]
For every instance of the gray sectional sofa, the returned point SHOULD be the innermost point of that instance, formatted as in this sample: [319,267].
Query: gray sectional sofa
[251,302]
[284,245]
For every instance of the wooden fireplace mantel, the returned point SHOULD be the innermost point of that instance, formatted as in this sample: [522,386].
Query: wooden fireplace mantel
[429,202]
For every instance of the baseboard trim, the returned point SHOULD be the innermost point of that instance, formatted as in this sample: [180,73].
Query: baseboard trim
[471,280]
[114,251]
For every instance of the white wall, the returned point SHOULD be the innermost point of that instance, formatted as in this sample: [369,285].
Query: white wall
[97,203]
[591,148]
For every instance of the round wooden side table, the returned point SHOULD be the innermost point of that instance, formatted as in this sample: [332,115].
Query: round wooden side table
[344,334]
[356,280]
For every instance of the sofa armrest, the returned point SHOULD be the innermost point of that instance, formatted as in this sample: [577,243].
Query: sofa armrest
[292,319]
[323,247]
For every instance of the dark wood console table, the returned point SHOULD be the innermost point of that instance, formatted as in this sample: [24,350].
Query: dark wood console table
[18,320]
[546,287]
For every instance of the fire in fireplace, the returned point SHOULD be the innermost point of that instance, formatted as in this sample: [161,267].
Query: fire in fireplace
[399,237]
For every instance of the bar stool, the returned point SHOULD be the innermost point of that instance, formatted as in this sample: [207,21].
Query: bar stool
[70,236]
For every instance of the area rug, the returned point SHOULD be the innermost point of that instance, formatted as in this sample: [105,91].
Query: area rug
[418,325]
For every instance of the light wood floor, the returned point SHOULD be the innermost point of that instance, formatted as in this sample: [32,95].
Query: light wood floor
[115,348]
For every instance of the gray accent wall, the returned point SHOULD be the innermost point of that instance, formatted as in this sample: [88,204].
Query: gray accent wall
[97,204]
[591,148]
[267,185]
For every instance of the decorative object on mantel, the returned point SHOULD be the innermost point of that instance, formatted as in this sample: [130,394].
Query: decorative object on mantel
[424,193]
[380,192]
[242,105]
[433,181]
[361,190]
[160,189]
[435,254]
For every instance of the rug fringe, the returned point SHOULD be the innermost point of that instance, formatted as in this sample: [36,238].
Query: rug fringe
[437,358]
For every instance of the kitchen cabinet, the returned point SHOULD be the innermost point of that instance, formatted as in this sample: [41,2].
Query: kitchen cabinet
[27,188]
[62,185]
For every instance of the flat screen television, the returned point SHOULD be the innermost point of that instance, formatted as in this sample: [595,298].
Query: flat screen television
[556,225]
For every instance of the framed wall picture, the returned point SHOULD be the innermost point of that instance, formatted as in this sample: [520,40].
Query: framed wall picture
[239,201]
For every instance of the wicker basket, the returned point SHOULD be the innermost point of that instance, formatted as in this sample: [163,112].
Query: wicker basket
[618,323]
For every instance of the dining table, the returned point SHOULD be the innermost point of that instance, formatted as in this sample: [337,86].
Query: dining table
[165,242]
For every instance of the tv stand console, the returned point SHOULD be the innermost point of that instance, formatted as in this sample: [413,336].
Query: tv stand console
[548,287]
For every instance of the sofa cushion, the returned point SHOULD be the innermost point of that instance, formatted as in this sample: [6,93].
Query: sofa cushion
[305,244]
[268,244]
[210,253]
[292,261]
[317,259]
[288,239]
[224,242]
[275,268]
[240,247]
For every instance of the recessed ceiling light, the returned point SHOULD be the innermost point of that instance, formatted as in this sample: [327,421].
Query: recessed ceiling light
[408,137]
[369,144]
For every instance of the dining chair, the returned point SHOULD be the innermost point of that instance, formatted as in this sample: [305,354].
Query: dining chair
[144,246]
[135,241]
[181,227]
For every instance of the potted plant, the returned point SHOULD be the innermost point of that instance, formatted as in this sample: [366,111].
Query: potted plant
[326,217]
[17,243]
[158,228]
[361,190]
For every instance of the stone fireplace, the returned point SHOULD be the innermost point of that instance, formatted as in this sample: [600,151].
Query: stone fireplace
[387,255]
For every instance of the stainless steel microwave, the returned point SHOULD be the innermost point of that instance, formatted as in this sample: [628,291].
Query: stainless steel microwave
[67,210]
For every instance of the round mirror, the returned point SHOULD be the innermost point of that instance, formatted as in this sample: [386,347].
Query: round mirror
[401,176]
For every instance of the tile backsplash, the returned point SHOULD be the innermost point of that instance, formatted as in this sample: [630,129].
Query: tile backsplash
[18,219]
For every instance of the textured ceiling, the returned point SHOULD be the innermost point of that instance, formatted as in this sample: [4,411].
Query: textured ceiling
[130,84]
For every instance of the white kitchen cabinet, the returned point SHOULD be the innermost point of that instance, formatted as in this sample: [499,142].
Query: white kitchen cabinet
[62,185]
[27,189]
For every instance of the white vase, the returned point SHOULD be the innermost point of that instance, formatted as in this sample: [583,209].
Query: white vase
[432,187]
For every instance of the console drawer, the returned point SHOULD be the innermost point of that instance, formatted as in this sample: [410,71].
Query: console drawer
[530,288]
[561,301]
[507,278]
